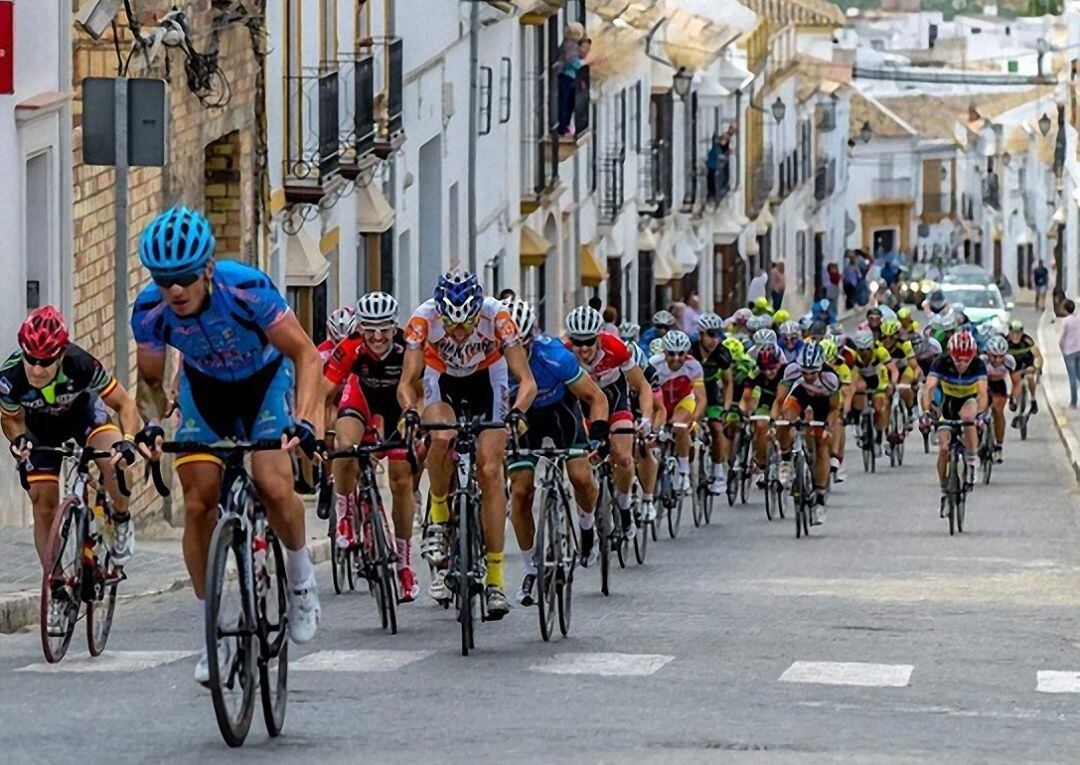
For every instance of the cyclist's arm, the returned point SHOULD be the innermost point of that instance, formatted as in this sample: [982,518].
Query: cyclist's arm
[1038,358]
[983,398]
[781,395]
[150,389]
[412,366]
[928,392]
[588,392]
[289,337]
[699,400]
[124,405]
[518,364]
[636,379]
[728,379]
[13,424]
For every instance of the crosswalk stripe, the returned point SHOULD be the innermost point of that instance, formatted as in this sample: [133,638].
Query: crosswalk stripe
[357,661]
[1052,681]
[848,673]
[627,664]
[111,661]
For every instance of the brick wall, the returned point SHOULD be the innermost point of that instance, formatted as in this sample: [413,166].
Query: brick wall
[196,134]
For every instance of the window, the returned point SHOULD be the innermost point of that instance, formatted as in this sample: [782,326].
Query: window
[386,262]
[493,281]
[328,37]
[533,279]
[636,115]
[454,213]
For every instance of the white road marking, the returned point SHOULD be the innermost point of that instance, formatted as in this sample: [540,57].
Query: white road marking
[848,673]
[626,664]
[357,661]
[111,661]
[1051,681]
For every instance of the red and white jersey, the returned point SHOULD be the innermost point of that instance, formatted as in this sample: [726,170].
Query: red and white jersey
[677,384]
[999,371]
[326,349]
[612,360]
[494,331]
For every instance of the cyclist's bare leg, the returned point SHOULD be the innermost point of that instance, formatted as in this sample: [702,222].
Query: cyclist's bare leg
[971,435]
[201,482]
[522,492]
[438,462]
[720,448]
[490,460]
[997,407]
[349,431]
[683,440]
[401,490]
[272,476]
[581,481]
[881,412]
[622,467]
[647,468]
[45,498]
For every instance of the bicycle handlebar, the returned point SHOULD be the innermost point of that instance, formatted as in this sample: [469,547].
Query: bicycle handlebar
[552,452]
[799,424]
[85,455]
[363,450]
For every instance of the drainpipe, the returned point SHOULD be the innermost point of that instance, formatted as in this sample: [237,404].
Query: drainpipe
[474,105]
[391,197]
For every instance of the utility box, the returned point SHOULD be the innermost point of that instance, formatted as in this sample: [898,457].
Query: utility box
[146,123]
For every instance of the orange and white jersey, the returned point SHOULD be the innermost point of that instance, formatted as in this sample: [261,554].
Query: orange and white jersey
[494,331]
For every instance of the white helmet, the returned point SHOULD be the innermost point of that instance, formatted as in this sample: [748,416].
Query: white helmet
[790,329]
[997,346]
[764,337]
[637,354]
[756,323]
[522,314]
[863,339]
[656,346]
[376,309]
[676,341]
[742,316]
[584,322]
[663,319]
[341,323]
[628,330]
[710,322]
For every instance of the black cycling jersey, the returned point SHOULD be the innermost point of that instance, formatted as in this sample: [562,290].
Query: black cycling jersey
[80,378]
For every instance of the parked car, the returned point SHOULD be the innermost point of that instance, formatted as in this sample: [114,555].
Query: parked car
[982,302]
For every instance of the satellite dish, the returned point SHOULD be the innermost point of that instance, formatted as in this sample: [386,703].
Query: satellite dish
[849,224]
[924,230]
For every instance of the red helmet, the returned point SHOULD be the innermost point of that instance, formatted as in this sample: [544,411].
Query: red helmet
[767,358]
[44,334]
[962,346]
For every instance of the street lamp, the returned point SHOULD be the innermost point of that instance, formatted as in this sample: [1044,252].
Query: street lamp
[1006,159]
[681,81]
[1044,124]
[866,132]
[779,109]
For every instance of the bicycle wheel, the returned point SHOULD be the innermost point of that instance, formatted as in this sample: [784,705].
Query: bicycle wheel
[604,527]
[961,508]
[339,561]
[99,613]
[230,625]
[952,489]
[547,574]
[61,584]
[798,494]
[1023,427]
[274,658]
[701,490]
[567,565]
[461,568]
[384,564]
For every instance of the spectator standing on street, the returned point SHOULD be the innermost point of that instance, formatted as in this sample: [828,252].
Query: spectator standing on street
[690,315]
[611,320]
[1040,275]
[1069,342]
[831,284]
[758,286]
[507,294]
[851,282]
[777,284]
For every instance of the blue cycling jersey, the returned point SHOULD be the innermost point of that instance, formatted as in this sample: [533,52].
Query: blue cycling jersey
[553,367]
[226,340]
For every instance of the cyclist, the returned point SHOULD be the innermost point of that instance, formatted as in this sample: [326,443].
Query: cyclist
[662,323]
[240,344]
[1028,357]
[682,390]
[908,325]
[463,344]
[903,359]
[791,340]
[873,321]
[961,375]
[873,364]
[646,466]
[555,414]
[808,384]
[926,348]
[610,364]
[840,359]
[736,324]
[629,332]
[936,304]
[339,325]
[716,365]
[51,390]
[999,367]
[780,317]
[364,371]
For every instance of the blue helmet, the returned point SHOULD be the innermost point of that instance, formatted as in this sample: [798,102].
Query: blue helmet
[178,241]
[458,296]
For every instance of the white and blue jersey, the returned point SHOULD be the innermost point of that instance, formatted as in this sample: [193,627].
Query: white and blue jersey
[234,383]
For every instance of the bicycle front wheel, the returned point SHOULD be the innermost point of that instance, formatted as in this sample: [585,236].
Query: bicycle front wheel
[62,582]
[384,566]
[546,575]
[567,565]
[230,632]
[274,654]
[99,613]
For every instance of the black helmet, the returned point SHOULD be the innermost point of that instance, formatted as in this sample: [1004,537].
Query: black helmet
[937,302]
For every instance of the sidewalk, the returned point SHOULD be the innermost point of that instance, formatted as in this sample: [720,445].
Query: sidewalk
[158,566]
[1055,389]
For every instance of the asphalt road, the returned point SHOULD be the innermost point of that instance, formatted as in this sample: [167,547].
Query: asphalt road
[879,639]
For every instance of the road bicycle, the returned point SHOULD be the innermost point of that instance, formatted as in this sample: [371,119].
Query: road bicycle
[466,569]
[645,525]
[868,437]
[1020,419]
[78,564]
[802,485]
[555,547]
[958,480]
[899,425]
[671,498]
[609,528]
[373,558]
[739,462]
[987,448]
[703,497]
[774,489]
[246,597]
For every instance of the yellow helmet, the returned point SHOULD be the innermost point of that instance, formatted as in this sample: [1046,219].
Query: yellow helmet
[761,305]
[890,327]
[829,348]
[735,348]
[903,313]
[780,317]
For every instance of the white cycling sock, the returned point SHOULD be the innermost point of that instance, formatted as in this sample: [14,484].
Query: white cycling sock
[527,564]
[684,465]
[646,497]
[718,469]
[298,566]
[586,521]
[340,505]
[622,500]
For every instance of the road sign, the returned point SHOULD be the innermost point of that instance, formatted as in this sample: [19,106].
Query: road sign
[140,105]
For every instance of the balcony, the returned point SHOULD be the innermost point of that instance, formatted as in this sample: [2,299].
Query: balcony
[312,138]
[570,113]
[718,181]
[390,111]
[825,180]
[655,179]
[357,113]
[825,117]
[936,203]
[990,191]
[892,189]
[612,188]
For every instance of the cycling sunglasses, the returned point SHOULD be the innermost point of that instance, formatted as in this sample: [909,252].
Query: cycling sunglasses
[583,343]
[179,280]
[43,363]
[713,332]
[676,354]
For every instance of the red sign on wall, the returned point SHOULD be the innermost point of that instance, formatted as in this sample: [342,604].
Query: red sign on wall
[7,47]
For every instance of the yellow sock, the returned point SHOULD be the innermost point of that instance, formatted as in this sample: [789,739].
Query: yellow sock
[440,511]
[494,576]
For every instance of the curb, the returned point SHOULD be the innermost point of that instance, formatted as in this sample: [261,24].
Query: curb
[19,610]
[1057,408]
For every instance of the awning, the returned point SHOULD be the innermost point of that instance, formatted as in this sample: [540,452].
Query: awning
[685,254]
[611,247]
[665,248]
[764,220]
[534,247]
[305,266]
[646,240]
[726,12]
[375,215]
[664,268]
[593,272]
[639,14]
[621,46]
[726,228]
[536,12]
[694,41]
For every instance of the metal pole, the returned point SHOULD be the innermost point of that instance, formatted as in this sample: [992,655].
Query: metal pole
[120,284]
[474,105]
